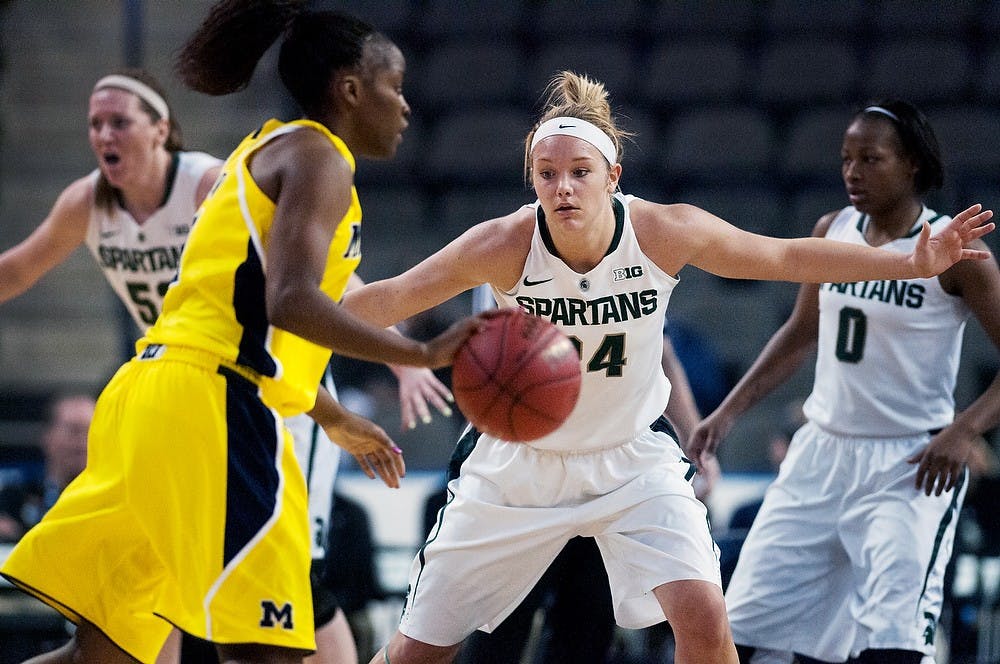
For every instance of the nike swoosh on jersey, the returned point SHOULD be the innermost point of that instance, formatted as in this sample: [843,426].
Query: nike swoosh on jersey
[529,282]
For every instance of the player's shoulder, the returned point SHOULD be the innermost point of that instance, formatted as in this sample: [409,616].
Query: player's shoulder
[78,196]
[199,161]
[501,241]
[652,221]
[644,212]
[823,224]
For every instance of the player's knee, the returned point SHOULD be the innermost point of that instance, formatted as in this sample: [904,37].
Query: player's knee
[89,644]
[709,634]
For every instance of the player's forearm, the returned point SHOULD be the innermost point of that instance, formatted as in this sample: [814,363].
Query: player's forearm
[327,411]
[983,414]
[17,274]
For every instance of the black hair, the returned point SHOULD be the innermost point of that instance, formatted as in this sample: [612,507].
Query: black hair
[220,57]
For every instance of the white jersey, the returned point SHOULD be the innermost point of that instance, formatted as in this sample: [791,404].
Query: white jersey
[888,350]
[140,260]
[614,313]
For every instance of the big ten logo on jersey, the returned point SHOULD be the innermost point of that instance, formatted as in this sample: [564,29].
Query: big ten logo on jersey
[631,272]
[272,616]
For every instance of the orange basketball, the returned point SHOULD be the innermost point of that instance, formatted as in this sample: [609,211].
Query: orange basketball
[517,379]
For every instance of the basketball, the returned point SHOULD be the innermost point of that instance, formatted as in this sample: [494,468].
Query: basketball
[517,379]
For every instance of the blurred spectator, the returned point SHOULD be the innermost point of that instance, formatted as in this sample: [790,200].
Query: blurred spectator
[64,446]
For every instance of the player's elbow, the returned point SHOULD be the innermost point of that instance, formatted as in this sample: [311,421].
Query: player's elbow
[286,307]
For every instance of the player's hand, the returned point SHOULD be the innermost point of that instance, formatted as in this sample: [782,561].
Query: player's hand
[442,348]
[705,438]
[417,387]
[942,461]
[709,473]
[371,447]
[934,255]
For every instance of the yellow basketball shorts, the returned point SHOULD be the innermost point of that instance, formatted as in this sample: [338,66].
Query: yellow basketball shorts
[191,511]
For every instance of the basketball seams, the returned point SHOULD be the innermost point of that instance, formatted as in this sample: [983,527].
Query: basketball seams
[505,384]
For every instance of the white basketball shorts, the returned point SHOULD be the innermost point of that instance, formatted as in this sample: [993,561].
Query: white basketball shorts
[512,509]
[845,554]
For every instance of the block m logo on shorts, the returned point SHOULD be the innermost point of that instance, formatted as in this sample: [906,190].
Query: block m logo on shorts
[271,615]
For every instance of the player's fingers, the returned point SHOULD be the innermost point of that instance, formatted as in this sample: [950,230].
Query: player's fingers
[977,216]
[362,460]
[389,478]
[936,484]
[942,479]
[406,415]
[921,476]
[385,470]
[422,411]
[975,254]
[967,215]
[399,464]
[437,400]
[440,390]
[981,224]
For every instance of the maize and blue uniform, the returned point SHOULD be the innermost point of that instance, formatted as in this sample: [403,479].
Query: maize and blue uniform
[192,509]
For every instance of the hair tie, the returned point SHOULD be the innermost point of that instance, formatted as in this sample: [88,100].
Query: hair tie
[883,111]
[578,128]
[139,89]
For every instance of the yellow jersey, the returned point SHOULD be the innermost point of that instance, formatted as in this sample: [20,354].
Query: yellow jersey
[217,303]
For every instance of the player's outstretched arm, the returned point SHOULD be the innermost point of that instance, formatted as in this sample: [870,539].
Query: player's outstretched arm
[718,247]
[51,243]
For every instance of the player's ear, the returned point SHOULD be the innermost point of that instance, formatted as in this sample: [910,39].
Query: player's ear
[614,175]
[348,88]
[162,131]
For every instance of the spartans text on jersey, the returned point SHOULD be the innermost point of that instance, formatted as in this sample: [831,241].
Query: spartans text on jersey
[615,308]
[141,260]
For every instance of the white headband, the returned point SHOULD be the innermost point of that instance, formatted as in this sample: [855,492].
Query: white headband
[883,111]
[139,89]
[567,126]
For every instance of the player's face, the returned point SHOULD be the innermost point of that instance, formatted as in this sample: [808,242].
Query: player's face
[385,113]
[877,175]
[65,440]
[123,136]
[572,180]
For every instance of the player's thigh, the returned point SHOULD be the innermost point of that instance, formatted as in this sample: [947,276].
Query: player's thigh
[479,562]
